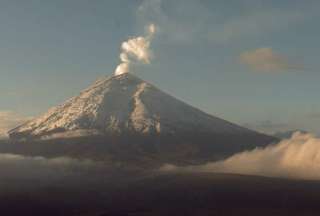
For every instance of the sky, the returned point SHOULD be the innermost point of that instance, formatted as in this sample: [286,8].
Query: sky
[252,62]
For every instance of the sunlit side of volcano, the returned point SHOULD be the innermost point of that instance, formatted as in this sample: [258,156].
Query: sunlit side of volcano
[124,118]
[120,104]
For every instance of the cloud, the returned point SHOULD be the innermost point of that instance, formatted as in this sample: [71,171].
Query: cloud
[270,127]
[267,60]
[255,22]
[218,24]
[39,164]
[23,172]
[297,157]
[173,18]
[9,120]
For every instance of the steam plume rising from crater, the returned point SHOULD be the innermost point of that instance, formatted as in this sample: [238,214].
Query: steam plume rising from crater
[135,51]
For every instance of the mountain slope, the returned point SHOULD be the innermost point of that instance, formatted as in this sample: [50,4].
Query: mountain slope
[125,103]
[126,120]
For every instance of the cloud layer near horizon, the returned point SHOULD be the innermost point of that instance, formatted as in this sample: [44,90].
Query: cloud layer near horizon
[297,157]
[9,120]
[38,171]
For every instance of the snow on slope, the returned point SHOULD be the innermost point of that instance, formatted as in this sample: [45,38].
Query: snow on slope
[124,103]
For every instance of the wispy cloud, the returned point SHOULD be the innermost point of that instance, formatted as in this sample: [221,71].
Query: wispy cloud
[270,127]
[9,120]
[175,23]
[297,157]
[216,24]
[255,22]
[267,60]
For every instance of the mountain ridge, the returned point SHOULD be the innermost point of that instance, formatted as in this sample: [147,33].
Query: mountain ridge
[122,103]
[125,120]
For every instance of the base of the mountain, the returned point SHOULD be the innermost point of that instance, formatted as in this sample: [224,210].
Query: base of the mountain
[142,150]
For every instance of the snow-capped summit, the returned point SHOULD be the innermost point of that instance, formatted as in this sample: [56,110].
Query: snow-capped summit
[124,119]
[123,103]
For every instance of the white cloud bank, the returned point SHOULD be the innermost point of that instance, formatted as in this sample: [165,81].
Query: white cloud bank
[297,157]
[9,120]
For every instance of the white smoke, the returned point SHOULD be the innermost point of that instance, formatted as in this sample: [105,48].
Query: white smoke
[136,50]
[297,157]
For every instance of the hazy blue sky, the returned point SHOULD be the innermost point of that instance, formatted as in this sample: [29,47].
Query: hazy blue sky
[252,62]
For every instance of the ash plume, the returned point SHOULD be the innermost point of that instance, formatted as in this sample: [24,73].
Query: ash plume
[136,50]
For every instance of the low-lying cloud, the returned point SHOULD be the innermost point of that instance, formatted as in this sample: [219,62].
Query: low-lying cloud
[26,167]
[267,60]
[9,120]
[297,157]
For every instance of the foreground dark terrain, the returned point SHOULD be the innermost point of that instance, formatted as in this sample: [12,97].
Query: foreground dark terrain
[124,193]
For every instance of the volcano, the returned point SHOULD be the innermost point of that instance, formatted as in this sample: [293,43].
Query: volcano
[124,118]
